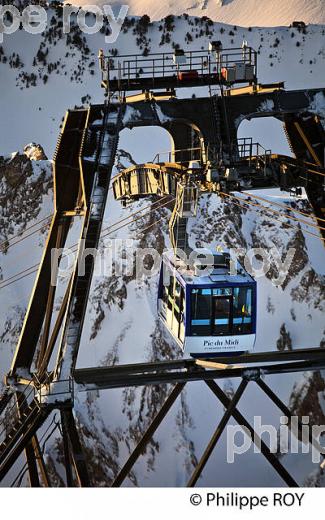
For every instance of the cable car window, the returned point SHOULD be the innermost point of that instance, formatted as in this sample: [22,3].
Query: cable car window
[201,312]
[165,290]
[221,311]
[164,294]
[170,291]
[242,310]
[182,299]
[180,314]
[220,315]
[177,292]
[177,298]
[222,291]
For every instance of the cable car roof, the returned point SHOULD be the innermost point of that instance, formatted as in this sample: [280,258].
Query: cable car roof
[218,275]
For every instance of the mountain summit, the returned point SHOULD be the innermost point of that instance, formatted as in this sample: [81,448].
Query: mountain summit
[264,13]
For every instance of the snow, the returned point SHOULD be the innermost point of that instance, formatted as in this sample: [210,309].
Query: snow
[45,109]
[317,106]
[161,116]
[241,12]
[266,106]
[131,115]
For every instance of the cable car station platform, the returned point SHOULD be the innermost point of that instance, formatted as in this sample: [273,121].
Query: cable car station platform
[179,69]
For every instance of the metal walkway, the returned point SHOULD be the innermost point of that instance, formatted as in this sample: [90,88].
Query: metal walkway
[161,70]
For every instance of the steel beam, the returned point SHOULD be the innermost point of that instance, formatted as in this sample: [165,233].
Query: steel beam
[23,441]
[66,450]
[140,447]
[77,454]
[308,354]
[29,449]
[273,460]
[284,409]
[106,379]
[67,189]
[50,297]
[55,332]
[32,466]
[40,461]
[217,434]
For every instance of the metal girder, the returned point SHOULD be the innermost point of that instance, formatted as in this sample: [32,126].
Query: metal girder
[284,409]
[44,361]
[32,466]
[40,461]
[29,449]
[75,449]
[306,137]
[84,375]
[36,311]
[271,457]
[229,411]
[105,378]
[217,434]
[66,450]
[230,405]
[147,436]
[67,196]
[102,141]
[24,439]
[50,297]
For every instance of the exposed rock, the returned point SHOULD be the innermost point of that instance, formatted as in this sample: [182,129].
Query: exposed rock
[108,292]
[284,342]
[300,259]
[122,154]
[14,169]
[310,289]
[296,242]
[304,399]
[269,306]
[22,185]
[35,152]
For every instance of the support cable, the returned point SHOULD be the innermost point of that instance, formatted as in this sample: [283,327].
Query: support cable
[109,231]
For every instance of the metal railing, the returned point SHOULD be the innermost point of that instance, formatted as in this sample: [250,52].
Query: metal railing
[180,156]
[131,67]
[247,149]
[230,57]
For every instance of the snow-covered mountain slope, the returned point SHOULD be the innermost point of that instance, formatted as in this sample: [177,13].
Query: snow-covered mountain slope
[263,13]
[121,323]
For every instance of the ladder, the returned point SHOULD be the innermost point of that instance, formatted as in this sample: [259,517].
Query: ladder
[99,165]
[187,195]
[215,146]
[20,433]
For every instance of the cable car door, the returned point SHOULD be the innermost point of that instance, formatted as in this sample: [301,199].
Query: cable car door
[221,306]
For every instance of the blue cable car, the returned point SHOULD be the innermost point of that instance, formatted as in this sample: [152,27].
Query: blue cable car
[208,314]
